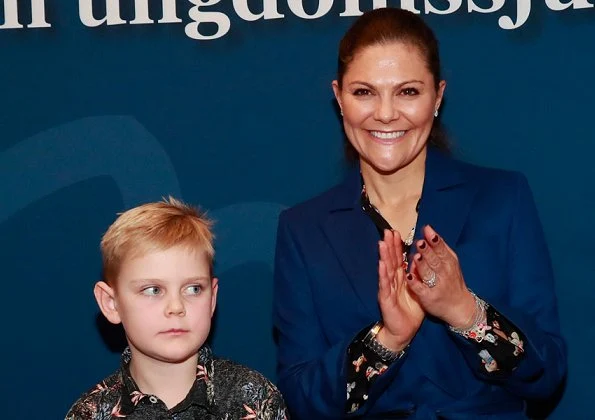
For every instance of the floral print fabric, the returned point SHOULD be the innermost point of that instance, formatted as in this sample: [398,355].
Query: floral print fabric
[499,347]
[223,390]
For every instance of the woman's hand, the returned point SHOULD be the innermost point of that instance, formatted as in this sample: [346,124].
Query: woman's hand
[437,281]
[402,314]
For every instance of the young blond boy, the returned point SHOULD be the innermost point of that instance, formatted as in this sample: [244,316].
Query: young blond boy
[157,263]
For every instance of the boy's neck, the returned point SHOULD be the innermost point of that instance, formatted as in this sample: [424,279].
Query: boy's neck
[170,382]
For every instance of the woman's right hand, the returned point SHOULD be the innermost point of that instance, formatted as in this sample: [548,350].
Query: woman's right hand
[401,312]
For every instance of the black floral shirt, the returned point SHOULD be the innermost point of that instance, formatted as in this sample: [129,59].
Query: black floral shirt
[223,390]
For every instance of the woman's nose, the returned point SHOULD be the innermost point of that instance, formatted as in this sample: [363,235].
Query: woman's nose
[386,110]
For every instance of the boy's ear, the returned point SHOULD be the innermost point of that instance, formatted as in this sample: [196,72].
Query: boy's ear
[214,289]
[104,295]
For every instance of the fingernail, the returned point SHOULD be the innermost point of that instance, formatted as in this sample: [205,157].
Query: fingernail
[418,257]
[409,276]
[422,245]
[435,239]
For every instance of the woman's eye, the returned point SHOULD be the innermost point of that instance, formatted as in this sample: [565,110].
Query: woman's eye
[362,92]
[152,291]
[409,91]
[194,289]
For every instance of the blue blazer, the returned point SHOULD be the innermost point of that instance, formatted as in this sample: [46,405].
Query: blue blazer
[326,287]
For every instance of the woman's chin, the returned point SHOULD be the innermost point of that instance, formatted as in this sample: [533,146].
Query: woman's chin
[384,165]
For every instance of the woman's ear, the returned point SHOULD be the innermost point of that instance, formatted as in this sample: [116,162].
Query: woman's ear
[440,94]
[104,295]
[337,92]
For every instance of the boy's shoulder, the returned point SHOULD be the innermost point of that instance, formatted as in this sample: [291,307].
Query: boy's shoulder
[100,402]
[229,389]
[230,374]
[237,386]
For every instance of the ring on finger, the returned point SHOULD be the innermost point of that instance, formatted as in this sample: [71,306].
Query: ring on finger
[431,281]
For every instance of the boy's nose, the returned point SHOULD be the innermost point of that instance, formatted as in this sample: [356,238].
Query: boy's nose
[176,306]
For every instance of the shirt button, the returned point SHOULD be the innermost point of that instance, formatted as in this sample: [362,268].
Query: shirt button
[153,399]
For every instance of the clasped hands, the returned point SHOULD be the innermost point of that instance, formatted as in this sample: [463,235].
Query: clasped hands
[405,299]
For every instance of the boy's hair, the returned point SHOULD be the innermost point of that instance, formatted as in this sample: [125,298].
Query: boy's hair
[154,227]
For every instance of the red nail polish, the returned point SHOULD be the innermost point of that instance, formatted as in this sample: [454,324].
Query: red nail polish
[435,239]
[422,245]
[409,276]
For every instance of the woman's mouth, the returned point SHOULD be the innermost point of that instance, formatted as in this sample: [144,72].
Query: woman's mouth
[388,135]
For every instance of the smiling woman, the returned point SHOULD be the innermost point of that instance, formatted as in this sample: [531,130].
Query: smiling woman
[388,100]
[383,303]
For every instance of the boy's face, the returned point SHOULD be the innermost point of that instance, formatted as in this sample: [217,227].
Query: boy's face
[165,301]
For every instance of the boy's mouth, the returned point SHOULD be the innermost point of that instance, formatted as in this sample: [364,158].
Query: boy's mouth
[174,331]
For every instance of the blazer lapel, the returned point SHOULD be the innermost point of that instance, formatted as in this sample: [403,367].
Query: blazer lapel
[445,205]
[446,198]
[354,239]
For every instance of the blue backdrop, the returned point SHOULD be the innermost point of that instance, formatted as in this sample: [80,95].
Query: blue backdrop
[96,119]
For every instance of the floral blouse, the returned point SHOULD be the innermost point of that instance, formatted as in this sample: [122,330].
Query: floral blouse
[223,390]
[499,343]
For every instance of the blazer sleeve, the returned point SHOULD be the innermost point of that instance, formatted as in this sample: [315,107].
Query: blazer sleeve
[531,306]
[311,371]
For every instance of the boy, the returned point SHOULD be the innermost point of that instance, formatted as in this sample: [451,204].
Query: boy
[157,264]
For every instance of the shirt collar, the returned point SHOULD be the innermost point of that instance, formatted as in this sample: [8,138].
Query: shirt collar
[132,396]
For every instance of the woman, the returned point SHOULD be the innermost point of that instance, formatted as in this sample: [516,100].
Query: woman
[421,286]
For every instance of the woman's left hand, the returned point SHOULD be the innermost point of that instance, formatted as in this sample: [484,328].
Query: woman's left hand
[437,280]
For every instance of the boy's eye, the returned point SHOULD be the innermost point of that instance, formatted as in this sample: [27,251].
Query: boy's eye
[151,291]
[195,289]
[409,91]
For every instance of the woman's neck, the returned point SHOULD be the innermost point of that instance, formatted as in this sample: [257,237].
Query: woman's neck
[392,189]
[170,382]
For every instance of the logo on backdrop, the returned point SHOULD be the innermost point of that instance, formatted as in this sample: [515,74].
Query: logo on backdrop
[202,12]
[134,159]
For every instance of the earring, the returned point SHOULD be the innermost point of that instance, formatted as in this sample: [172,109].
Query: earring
[436,113]
[341,112]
